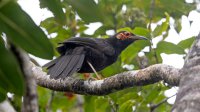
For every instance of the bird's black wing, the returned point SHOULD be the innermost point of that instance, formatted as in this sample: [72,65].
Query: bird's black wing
[67,63]
[96,43]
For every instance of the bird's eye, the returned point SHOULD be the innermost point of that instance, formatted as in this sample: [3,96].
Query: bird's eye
[123,35]
[127,33]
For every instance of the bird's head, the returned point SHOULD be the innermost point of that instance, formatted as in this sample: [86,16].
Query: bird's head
[123,39]
[125,35]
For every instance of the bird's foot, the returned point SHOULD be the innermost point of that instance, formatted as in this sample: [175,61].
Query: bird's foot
[86,75]
[93,79]
[98,77]
[90,78]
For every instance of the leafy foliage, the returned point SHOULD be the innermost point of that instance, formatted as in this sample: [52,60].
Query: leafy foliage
[87,9]
[10,74]
[23,31]
[169,48]
[54,6]
[161,6]
[186,43]
[71,18]
[161,28]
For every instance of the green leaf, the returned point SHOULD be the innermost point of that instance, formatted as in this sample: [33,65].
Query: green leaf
[55,7]
[125,29]
[22,31]
[87,9]
[137,30]
[159,98]
[17,103]
[10,73]
[132,50]
[102,103]
[2,95]
[111,70]
[141,31]
[151,92]
[50,25]
[127,106]
[62,102]
[186,43]
[101,30]
[169,48]
[151,57]
[175,8]
[43,96]
[142,108]
[128,96]
[178,25]
[90,105]
[161,28]
[165,107]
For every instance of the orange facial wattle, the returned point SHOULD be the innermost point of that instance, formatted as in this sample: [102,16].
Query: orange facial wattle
[124,36]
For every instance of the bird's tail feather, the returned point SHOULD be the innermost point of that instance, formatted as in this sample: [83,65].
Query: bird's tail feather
[66,64]
[51,63]
[73,66]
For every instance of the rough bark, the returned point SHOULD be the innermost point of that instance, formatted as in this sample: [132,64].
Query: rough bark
[30,103]
[188,97]
[30,100]
[5,106]
[111,84]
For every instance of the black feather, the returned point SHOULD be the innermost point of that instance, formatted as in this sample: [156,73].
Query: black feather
[66,63]
[75,52]
[51,63]
[73,66]
[57,69]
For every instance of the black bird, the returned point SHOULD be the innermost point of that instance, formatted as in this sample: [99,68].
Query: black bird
[87,55]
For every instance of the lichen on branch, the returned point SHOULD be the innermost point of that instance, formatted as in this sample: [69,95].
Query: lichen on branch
[149,75]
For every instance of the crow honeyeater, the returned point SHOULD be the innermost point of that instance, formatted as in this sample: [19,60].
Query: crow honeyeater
[86,55]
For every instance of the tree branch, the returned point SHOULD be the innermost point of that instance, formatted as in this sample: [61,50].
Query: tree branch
[111,84]
[5,106]
[49,103]
[30,101]
[153,107]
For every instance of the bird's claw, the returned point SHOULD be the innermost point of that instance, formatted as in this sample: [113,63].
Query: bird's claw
[91,79]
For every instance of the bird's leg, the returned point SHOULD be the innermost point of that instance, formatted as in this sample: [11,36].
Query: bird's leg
[86,75]
[98,77]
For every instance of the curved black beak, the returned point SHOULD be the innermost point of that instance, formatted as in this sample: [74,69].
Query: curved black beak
[136,37]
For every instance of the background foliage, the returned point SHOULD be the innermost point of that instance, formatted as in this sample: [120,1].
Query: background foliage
[71,18]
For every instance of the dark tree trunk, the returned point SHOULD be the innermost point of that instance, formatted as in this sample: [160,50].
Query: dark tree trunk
[188,97]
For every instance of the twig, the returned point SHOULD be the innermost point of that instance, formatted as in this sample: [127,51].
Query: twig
[114,21]
[80,102]
[153,107]
[149,27]
[49,103]
[113,105]
[34,61]
[151,13]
